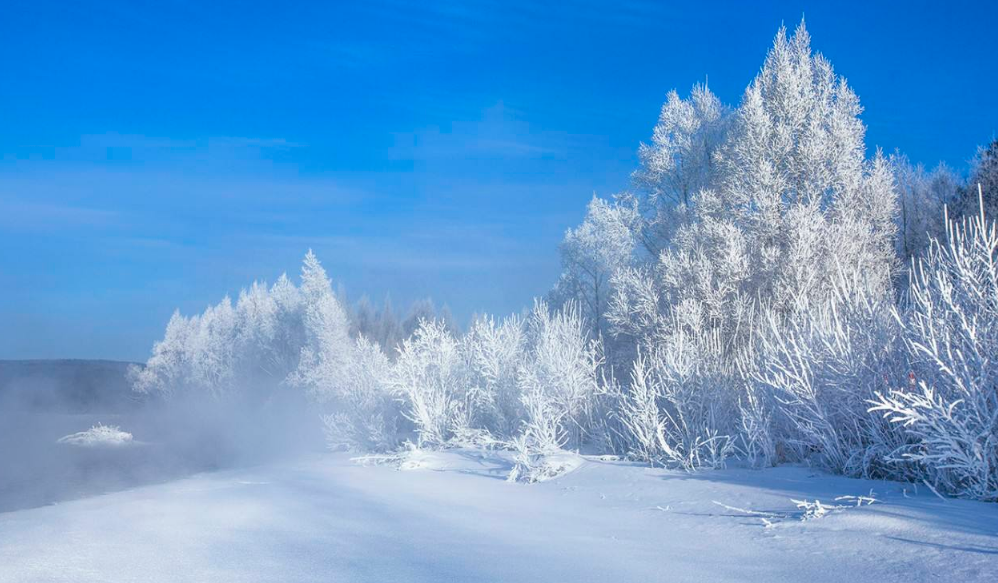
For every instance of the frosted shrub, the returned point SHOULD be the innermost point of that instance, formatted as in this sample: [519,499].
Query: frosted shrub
[951,331]
[821,367]
[756,428]
[559,380]
[643,419]
[673,415]
[99,435]
[532,465]
[365,415]
[431,377]
[495,353]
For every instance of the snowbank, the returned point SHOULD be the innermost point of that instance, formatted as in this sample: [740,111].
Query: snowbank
[327,518]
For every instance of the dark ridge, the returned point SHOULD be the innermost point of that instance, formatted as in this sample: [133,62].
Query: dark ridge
[67,386]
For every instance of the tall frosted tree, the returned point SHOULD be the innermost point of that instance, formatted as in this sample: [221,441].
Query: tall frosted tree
[287,333]
[984,171]
[796,181]
[590,256]
[921,197]
[678,163]
[327,339]
[789,202]
[790,207]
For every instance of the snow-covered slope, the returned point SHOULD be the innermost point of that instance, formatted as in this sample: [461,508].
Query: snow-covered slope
[455,518]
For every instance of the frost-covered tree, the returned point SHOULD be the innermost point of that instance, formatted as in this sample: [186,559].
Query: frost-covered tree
[921,198]
[794,201]
[380,326]
[792,207]
[270,339]
[590,256]
[326,348]
[795,179]
[424,309]
[431,377]
[984,172]
[495,351]
[677,164]
[365,415]
[560,376]
[363,319]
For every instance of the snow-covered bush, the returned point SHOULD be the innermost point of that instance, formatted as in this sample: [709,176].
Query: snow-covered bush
[559,379]
[495,352]
[820,368]
[365,416]
[99,435]
[431,377]
[531,465]
[679,411]
[757,440]
[951,330]
[533,383]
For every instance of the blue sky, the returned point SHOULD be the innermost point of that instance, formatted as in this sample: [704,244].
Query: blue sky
[160,155]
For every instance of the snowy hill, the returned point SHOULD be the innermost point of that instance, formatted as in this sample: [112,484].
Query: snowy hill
[327,518]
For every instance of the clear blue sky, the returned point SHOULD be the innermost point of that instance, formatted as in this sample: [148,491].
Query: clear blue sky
[160,155]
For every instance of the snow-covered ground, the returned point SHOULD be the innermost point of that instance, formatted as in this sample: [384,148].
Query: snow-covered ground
[455,518]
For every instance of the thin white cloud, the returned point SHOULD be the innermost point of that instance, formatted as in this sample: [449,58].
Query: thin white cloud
[498,133]
[25,216]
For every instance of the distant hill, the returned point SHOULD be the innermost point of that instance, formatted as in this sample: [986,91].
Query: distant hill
[69,386]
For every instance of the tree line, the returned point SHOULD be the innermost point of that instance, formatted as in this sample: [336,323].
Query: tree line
[765,291]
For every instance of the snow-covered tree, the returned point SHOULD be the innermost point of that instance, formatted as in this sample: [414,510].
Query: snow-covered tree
[327,343]
[495,351]
[269,339]
[984,172]
[678,164]
[363,319]
[424,309]
[430,376]
[560,376]
[796,182]
[365,415]
[921,198]
[791,208]
[590,255]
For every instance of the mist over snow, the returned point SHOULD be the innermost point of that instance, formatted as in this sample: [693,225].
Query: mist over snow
[771,357]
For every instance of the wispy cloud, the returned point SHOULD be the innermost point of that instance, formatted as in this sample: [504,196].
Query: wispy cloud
[25,216]
[498,133]
[118,147]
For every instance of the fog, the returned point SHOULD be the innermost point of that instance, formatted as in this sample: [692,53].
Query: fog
[42,402]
